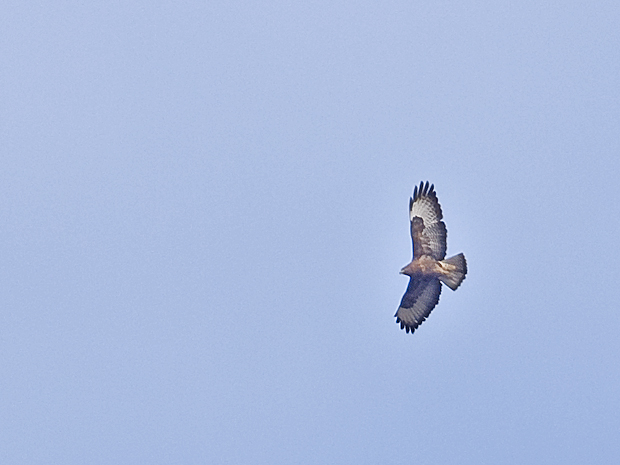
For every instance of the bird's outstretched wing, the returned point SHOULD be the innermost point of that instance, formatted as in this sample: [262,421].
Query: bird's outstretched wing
[428,232]
[420,298]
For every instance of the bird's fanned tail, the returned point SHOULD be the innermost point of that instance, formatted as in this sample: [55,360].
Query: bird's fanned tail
[455,271]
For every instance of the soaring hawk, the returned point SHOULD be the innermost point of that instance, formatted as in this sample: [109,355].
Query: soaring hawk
[428,269]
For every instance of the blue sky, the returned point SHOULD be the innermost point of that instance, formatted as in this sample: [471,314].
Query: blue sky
[204,212]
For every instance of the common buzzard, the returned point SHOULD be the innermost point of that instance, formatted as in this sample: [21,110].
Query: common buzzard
[428,269]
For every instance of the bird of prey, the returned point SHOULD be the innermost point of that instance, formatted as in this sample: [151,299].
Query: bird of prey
[428,269]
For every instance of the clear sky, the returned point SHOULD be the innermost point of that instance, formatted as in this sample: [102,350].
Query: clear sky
[203,209]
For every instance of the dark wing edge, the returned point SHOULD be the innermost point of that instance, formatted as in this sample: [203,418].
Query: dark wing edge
[421,297]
